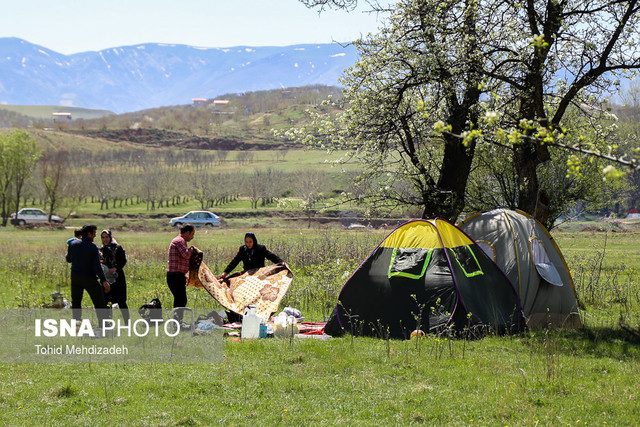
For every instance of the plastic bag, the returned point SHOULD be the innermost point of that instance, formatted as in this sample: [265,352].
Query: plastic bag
[292,312]
[284,325]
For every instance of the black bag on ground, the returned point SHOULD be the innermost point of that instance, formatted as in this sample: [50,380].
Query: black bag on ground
[151,311]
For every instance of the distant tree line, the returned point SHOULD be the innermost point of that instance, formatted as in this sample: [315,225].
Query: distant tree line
[61,180]
[11,119]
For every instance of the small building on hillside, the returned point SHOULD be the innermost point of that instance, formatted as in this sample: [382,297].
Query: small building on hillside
[219,106]
[61,115]
[198,102]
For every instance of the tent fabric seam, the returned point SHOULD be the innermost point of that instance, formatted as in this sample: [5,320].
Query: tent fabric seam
[453,277]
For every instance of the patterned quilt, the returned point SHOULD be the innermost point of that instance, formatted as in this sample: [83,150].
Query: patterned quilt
[264,287]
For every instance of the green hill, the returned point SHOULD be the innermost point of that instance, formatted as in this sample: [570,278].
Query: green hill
[45,112]
[242,121]
[248,118]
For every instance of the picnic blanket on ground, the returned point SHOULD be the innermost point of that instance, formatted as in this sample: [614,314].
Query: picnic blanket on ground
[264,287]
[312,328]
[306,329]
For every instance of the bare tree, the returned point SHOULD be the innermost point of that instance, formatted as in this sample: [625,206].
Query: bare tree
[272,182]
[222,155]
[253,185]
[310,186]
[202,187]
[244,157]
[152,179]
[54,172]
[102,184]
[281,154]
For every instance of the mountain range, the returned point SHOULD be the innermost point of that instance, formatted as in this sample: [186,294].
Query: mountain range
[131,78]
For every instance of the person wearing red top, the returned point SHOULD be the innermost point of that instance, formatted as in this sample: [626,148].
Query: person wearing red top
[178,267]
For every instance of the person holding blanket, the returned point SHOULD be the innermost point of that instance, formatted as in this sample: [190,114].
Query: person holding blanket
[178,267]
[252,255]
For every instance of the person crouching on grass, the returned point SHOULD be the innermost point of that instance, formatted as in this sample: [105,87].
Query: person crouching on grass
[178,267]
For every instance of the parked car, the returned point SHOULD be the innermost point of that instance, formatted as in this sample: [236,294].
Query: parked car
[32,216]
[355,226]
[197,219]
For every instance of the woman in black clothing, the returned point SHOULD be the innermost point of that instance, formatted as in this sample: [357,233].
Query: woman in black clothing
[115,258]
[252,255]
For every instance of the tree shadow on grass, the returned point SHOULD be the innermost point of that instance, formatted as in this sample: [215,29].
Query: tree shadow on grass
[598,341]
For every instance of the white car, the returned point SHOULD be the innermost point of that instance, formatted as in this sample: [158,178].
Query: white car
[355,226]
[32,216]
[197,219]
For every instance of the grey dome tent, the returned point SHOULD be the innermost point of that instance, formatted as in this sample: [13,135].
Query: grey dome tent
[525,251]
[426,275]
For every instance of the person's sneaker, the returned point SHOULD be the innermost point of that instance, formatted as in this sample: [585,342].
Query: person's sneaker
[185,326]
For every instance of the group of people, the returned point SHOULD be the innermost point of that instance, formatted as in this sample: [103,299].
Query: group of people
[89,262]
[99,271]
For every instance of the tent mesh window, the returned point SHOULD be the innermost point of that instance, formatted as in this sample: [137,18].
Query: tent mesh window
[409,262]
[469,264]
[543,264]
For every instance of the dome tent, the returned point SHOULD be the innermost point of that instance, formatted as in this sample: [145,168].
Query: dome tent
[425,275]
[525,251]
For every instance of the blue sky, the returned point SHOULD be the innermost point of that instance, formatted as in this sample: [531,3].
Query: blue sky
[71,26]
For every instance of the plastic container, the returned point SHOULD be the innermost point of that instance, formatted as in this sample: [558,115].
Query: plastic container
[263,330]
[250,324]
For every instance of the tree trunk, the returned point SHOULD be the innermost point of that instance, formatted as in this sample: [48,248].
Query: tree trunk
[531,199]
[448,200]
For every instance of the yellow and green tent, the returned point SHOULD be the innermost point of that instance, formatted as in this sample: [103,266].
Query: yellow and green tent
[427,275]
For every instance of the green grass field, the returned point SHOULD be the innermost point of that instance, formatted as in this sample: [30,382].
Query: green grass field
[589,376]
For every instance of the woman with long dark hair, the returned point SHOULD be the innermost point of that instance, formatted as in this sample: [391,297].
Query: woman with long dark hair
[252,255]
